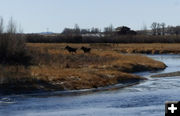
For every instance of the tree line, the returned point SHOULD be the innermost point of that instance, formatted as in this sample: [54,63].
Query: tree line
[156,29]
[161,29]
[158,33]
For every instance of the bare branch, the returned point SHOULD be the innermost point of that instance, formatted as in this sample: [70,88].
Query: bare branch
[1,25]
[12,27]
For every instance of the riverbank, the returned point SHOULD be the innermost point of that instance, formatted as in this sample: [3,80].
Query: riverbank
[155,48]
[171,74]
[54,69]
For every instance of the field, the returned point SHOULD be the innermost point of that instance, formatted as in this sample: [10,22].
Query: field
[153,48]
[54,68]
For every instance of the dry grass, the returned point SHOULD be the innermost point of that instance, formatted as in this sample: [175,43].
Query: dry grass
[126,48]
[81,78]
[56,69]
[102,55]
[156,48]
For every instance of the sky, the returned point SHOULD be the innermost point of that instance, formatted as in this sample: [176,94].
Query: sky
[37,15]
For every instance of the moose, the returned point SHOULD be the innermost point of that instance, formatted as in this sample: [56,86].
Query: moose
[86,50]
[70,49]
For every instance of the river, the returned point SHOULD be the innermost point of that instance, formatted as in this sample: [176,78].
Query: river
[144,99]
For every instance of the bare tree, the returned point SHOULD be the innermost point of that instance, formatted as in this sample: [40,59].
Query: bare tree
[177,30]
[109,30]
[170,30]
[158,29]
[163,26]
[95,30]
[144,30]
[77,29]
[12,27]
[154,28]
[85,31]
[20,29]
[1,25]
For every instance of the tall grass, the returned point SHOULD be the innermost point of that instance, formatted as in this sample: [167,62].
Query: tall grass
[57,56]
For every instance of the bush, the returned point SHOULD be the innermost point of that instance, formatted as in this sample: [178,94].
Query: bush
[13,50]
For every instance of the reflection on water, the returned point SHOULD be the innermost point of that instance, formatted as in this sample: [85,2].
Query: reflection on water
[145,99]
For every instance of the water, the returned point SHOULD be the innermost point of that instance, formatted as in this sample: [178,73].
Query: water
[145,99]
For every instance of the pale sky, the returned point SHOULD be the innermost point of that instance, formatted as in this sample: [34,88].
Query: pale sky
[38,15]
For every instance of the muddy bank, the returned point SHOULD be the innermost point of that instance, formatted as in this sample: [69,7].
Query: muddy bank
[172,74]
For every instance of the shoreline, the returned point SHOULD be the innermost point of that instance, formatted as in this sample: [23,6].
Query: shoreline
[170,74]
[81,91]
[154,48]
[53,91]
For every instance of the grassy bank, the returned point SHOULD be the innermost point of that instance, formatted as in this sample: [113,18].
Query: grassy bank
[157,48]
[53,68]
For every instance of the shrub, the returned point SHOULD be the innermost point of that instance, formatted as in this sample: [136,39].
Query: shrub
[36,38]
[13,50]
